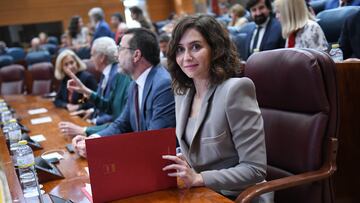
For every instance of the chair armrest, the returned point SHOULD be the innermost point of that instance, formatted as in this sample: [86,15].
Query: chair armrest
[328,168]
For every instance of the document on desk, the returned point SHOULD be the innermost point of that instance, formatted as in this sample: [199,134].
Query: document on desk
[37,111]
[37,138]
[132,162]
[40,120]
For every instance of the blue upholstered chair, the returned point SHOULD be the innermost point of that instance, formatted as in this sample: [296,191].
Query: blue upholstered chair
[6,60]
[17,53]
[332,21]
[37,57]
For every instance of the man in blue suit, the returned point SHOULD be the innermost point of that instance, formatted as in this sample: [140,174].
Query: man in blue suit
[350,37]
[102,29]
[150,102]
[262,34]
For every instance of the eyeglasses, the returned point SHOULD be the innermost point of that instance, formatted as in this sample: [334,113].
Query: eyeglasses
[122,48]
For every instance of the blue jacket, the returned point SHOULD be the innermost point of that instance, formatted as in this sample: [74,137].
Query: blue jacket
[272,37]
[330,4]
[103,30]
[61,99]
[157,106]
[350,37]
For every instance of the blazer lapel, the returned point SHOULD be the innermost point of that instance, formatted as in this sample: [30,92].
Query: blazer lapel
[248,40]
[183,116]
[266,35]
[203,112]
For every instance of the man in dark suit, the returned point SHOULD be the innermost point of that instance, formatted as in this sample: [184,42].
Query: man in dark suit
[102,29]
[150,102]
[350,37]
[262,34]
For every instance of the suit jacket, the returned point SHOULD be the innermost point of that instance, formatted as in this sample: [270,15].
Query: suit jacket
[228,146]
[272,38]
[103,30]
[61,99]
[350,37]
[110,106]
[157,106]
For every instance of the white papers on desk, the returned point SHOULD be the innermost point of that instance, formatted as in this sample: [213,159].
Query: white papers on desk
[37,111]
[36,121]
[38,138]
[52,156]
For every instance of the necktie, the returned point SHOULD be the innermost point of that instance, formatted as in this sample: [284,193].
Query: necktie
[256,39]
[102,85]
[136,107]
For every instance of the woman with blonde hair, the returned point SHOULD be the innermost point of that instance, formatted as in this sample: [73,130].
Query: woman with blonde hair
[237,13]
[299,27]
[66,62]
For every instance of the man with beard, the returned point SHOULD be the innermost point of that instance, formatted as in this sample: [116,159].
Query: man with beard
[262,34]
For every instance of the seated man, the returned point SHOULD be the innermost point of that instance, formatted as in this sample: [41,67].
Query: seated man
[150,102]
[111,95]
[350,37]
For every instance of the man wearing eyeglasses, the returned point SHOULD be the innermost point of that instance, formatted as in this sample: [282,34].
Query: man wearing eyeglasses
[150,102]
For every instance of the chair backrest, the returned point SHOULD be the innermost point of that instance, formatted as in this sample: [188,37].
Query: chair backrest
[37,57]
[6,60]
[239,39]
[318,5]
[12,79]
[297,93]
[90,67]
[17,53]
[331,21]
[51,48]
[41,77]
[53,40]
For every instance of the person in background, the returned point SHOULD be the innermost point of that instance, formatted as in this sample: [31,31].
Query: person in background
[150,104]
[78,33]
[331,4]
[138,15]
[218,121]
[3,48]
[43,38]
[163,44]
[298,25]
[35,45]
[111,95]
[237,13]
[101,28]
[350,38]
[262,34]
[68,62]
[118,24]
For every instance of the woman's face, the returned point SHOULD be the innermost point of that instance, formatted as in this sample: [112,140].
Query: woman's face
[193,55]
[81,23]
[69,64]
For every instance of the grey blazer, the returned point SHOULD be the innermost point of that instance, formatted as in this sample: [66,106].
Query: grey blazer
[228,147]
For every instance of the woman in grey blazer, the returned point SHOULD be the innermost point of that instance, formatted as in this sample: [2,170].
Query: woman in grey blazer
[218,122]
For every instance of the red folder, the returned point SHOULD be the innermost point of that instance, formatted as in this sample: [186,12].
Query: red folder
[129,164]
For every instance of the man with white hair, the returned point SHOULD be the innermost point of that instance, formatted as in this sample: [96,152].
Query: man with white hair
[102,29]
[111,95]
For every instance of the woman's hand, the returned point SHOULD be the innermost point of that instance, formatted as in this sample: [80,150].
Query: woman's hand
[183,171]
[74,84]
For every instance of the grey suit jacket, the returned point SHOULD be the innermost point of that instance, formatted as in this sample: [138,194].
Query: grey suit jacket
[228,147]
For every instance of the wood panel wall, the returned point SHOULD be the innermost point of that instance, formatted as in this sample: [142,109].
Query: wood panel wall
[13,12]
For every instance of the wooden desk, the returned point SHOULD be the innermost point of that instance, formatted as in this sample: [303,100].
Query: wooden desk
[72,166]
[347,178]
